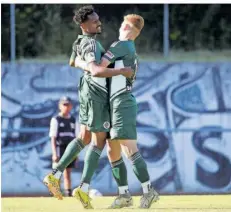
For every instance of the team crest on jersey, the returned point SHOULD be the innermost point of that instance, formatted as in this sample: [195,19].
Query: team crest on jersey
[109,55]
[106,125]
[61,124]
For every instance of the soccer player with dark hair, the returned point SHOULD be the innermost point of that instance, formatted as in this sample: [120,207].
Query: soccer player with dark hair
[123,111]
[94,114]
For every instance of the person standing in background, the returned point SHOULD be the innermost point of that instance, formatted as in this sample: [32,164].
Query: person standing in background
[62,132]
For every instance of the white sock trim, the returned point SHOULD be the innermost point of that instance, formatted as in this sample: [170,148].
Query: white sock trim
[85,187]
[58,174]
[123,189]
[146,186]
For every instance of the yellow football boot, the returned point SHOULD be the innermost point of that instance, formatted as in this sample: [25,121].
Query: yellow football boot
[53,185]
[83,197]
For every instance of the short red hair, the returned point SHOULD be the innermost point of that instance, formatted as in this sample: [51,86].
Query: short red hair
[136,20]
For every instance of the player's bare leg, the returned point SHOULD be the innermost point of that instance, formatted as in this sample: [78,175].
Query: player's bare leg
[67,181]
[52,180]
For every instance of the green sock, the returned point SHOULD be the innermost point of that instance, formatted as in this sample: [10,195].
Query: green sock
[140,167]
[119,172]
[90,163]
[71,152]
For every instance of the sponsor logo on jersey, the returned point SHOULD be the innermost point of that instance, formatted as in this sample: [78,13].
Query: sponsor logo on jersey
[109,55]
[64,134]
[72,125]
[106,125]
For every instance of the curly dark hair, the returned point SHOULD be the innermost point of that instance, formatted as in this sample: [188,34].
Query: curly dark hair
[81,15]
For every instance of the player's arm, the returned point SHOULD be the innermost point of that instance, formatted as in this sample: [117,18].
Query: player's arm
[101,70]
[72,61]
[83,65]
[73,55]
[115,51]
[53,135]
[97,70]
[87,56]
[79,63]
[53,148]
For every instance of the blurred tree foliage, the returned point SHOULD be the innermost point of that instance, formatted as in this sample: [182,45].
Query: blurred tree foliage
[46,30]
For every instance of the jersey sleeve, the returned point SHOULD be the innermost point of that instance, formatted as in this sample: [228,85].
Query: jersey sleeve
[88,51]
[116,50]
[74,52]
[53,127]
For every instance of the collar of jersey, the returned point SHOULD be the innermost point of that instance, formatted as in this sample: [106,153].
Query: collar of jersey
[127,40]
[91,36]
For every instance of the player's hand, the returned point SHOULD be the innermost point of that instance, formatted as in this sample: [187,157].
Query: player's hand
[55,158]
[77,62]
[127,72]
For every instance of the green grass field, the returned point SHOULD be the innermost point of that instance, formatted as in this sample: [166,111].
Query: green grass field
[208,203]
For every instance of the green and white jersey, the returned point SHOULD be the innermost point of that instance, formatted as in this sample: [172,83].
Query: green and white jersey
[122,54]
[90,50]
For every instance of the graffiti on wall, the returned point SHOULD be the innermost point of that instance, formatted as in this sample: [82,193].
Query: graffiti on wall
[183,125]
